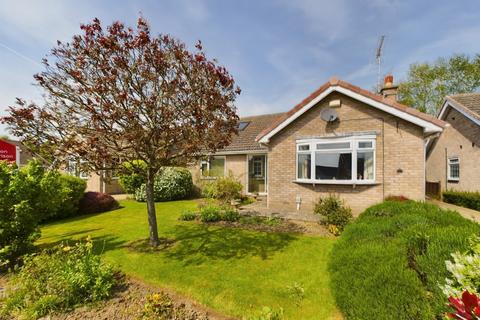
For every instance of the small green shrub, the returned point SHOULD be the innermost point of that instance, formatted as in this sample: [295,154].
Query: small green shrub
[465,271]
[57,280]
[333,212]
[210,213]
[463,198]
[132,175]
[171,184]
[224,189]
[187,216]
[230,214]
[389,262]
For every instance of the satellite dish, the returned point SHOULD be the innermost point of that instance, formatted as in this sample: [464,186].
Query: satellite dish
[329,115]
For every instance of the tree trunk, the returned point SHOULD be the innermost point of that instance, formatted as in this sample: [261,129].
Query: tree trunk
[152,215]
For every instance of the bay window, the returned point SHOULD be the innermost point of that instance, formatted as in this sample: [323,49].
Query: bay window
[348,160]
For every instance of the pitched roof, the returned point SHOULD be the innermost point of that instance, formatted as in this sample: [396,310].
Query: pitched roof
[245,140]
[467,102]
[335,84]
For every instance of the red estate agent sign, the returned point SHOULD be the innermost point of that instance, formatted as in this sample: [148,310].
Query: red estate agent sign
[8,151]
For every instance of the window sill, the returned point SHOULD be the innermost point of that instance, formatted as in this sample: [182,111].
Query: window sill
[453,180]
[337,182]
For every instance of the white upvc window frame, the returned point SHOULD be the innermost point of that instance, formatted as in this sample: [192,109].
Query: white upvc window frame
[453,161]
[208,163]
[354,149]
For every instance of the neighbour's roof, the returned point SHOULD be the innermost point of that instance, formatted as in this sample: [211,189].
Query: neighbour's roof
[335,84]
[245,140]
[468,103]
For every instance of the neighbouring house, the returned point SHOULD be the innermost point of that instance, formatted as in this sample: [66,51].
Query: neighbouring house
[453,158]
[15,151]
[341,139]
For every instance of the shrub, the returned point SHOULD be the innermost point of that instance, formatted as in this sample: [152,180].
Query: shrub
[27,196]
[463,198]
[58,279]
[465,271]
[269,314]
[132,175]
[333,213]
[171,184]
[396,198]
[465,307]
[210,213]
[389,262]
[97,202]
[71,191]
[188,216]
[224,189]
[230,214]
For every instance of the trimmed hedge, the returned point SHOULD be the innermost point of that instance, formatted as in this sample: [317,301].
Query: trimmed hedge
[389,262]
[171,184]
[463,198]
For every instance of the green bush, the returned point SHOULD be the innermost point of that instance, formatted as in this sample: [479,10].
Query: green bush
[188,216]
[210,213]
[465,271]
[333,212]
[57,280]
[389,262]
[463,198]
[230,214]
[27,196]
[171,184]
[224,189]
[132,175]
[71,190]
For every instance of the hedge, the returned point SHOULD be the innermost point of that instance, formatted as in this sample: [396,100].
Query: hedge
[389,262]
[463,198]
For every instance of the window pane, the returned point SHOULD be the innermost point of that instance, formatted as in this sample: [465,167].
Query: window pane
[333,145]
[304,166]
[304,147]
[333,166]
[365,165]
[365,144]
[204,168]
[455,170]
[217,167]
[242,125]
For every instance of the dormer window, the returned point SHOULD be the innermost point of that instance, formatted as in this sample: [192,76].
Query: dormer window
[242,125]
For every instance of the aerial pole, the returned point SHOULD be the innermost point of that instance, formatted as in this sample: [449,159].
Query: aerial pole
[378,58]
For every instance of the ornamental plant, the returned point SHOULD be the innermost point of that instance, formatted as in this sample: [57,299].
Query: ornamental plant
[170,184]
[333,213]
[465,271]
[124,93]
[465,308]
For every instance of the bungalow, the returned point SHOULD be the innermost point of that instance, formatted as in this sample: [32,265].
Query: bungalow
[341,139]
[453,158]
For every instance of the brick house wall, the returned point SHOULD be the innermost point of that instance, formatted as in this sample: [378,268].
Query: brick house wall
[461,139]
[400,166]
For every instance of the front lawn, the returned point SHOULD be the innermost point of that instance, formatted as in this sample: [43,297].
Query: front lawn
[389,263]
[234,271]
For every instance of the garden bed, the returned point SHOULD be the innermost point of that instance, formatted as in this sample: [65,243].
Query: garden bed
[129,300]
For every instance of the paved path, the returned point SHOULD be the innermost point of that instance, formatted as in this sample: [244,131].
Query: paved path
[465,212]
[122,196]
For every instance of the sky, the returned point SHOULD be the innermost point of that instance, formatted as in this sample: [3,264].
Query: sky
[278,51]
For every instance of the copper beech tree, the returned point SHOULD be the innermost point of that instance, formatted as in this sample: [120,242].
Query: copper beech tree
[123,93]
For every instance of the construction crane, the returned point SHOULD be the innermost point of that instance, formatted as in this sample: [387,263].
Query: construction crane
[378,58]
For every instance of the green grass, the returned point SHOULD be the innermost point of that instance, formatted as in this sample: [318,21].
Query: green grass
[389,262]
[234,271]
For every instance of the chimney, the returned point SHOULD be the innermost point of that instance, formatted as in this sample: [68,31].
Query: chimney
[389,91]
